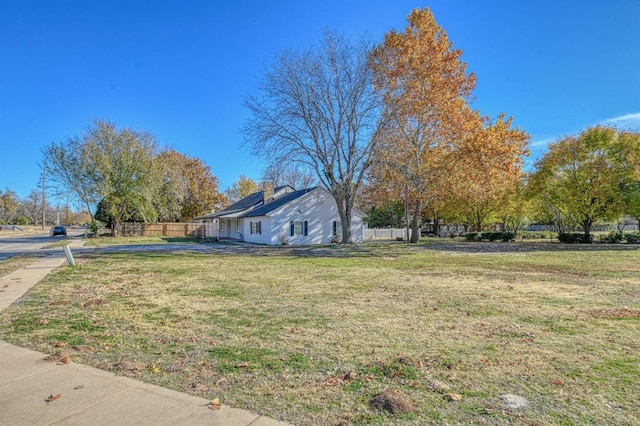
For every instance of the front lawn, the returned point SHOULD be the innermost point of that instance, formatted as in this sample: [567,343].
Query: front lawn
[114,241]
[309,335]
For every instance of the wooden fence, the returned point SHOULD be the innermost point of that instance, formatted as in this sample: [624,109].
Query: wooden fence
[136,229]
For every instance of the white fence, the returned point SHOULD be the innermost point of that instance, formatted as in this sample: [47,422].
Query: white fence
[210,230]
[384,233]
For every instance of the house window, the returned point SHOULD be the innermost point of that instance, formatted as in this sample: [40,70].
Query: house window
[237,225]
[256,227]
[337,228]
[298,228]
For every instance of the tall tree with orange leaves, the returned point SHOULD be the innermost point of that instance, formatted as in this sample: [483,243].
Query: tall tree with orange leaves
[188,188]
[487,170]
[426,90]
[435,149]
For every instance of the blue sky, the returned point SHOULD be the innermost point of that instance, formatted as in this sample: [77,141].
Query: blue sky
[180,69]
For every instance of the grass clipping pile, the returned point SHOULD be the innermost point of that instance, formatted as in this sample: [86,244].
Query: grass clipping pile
[361,335]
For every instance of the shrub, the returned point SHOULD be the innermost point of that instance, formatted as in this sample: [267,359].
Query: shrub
[632,237]
[487,236]
[615,237]
[508,236]
[473,236]
[490,236]
[574,237]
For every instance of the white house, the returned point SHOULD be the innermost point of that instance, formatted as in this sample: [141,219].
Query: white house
[286,216]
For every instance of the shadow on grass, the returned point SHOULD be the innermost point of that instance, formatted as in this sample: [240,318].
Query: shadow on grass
[181,245]
[174,240]
[523,247]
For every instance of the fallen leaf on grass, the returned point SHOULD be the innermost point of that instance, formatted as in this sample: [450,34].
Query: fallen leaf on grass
[242,365]
[453,396]
[215,404]
[53,397]
[59,344]
[65,360]
[438,386]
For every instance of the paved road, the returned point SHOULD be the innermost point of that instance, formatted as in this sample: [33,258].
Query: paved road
[14,245]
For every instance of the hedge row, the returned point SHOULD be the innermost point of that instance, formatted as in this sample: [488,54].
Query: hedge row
[490,236]
[621,237]
[574,237]
[564,237]
[610,238]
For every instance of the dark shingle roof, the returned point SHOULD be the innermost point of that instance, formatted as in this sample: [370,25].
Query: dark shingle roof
[244,204]
[276,203]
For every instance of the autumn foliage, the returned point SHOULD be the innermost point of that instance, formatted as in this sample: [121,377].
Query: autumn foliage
[435,150]
[590,177]
[189,188]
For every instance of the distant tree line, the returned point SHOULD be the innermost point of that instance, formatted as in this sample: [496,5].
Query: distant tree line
[585,179]
[29,210]
[122,175]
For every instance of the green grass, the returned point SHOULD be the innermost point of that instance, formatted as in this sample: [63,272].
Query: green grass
[111,241]
[310,334]
[16,262]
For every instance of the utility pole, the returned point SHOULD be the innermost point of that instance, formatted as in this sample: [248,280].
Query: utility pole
[44,201]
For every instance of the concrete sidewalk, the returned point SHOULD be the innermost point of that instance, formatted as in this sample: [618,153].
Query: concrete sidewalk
[89,395]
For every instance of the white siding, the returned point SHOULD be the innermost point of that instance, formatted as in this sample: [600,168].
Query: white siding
[318,208]
[231,228]
[357,228]
[264,237]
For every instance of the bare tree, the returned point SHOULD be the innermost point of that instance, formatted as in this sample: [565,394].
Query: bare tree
[318,108]
[68,167]
[31,207]
[294,175]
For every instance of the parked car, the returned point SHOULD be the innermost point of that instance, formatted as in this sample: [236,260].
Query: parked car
[59,230]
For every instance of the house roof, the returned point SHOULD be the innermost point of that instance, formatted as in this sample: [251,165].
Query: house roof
[254,205]
[236,209]
[280,201]
[242,205]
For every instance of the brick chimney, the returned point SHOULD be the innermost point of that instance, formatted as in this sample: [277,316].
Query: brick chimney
[267,191]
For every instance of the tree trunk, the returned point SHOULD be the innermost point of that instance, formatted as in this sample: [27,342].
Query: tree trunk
[415,224]
[478,219]
[344,211]
[586,226]
[345,218]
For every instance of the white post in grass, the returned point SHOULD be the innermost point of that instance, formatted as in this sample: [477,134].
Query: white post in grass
[67,252]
